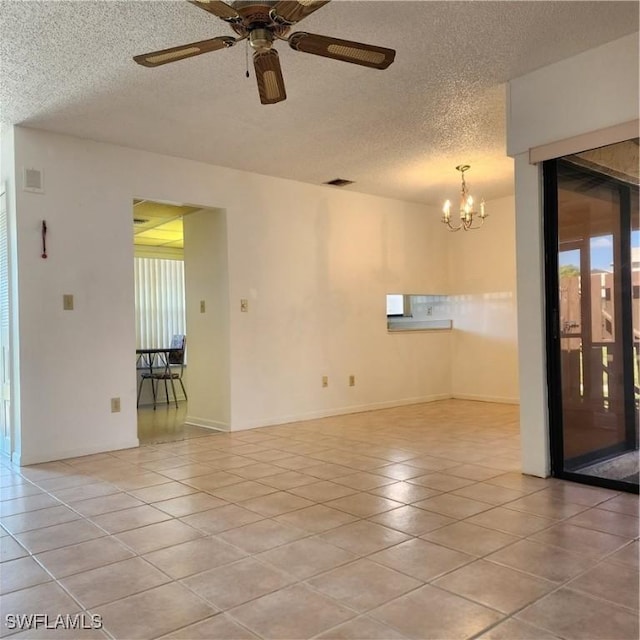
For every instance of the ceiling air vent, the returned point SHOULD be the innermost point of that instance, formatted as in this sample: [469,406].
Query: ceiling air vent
[33,180]
[339,182]
[140,221]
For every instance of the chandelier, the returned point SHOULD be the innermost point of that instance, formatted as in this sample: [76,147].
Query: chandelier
[468,215]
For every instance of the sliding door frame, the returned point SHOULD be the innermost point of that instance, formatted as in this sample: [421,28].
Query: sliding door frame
[552,316]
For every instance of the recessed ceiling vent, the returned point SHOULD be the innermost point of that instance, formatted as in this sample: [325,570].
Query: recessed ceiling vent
[140,221]
[339,182]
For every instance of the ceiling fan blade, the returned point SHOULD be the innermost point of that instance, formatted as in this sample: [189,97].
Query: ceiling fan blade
[218,8]
[164,56]
[269,76]
[367,55]
[292,11]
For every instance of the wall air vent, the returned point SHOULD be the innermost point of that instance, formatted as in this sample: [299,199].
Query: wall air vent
[33,180]
[339,182]
[140,221]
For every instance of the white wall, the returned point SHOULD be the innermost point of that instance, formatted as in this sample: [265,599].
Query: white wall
[207,279]
[591,91]
[73,362]
[534,417]
[484,349]
[585,93]
[314,262]
[316,268]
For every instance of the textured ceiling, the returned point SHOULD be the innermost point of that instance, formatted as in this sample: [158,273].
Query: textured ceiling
[67,67]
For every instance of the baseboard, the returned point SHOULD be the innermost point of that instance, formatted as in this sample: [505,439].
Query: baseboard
[314,415]
[214,425]
[53,456]
[475,398]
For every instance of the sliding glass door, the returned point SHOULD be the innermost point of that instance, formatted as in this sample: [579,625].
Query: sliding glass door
[593,270]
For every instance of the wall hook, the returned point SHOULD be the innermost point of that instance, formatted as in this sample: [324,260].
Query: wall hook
[44,240]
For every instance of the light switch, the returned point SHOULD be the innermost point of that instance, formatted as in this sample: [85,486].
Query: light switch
[202,306]
[67,302]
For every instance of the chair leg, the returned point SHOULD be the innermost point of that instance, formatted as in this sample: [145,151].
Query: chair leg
[139,392]
[166,391]
[183,389]
[153,389]
[173,388]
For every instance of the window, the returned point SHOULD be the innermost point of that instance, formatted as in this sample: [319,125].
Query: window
[406,312]
[159,301]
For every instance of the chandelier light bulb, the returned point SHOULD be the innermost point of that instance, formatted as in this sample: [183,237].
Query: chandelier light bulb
[446,210]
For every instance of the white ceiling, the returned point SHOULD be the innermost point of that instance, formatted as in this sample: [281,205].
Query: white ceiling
[67,67]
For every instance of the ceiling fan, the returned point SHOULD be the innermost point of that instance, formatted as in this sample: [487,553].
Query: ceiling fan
[262,22]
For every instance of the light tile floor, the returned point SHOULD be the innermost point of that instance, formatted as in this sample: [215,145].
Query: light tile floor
[412,522]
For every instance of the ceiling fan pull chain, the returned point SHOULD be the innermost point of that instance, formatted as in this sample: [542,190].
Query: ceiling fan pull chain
[246,57]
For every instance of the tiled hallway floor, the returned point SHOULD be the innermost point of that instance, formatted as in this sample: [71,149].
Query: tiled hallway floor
[402,523]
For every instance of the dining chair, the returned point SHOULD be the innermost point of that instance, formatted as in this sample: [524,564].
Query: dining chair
[173,370]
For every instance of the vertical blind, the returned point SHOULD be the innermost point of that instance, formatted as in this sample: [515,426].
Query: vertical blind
[160,306]
[4,267]
[5,377]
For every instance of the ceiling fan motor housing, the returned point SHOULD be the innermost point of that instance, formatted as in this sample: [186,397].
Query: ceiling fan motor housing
[260,39]
[255,15]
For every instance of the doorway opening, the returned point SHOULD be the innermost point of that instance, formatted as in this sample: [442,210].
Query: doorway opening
[160,317]
[592,261]
[182,291]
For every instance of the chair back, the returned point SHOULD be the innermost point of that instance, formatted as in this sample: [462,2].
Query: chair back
[178,341]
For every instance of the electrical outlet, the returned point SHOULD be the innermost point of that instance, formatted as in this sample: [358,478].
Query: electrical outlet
[429,311]
[67,301]
[325,381]
[202,306]
[115,405]
[244,305]
[352,381]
